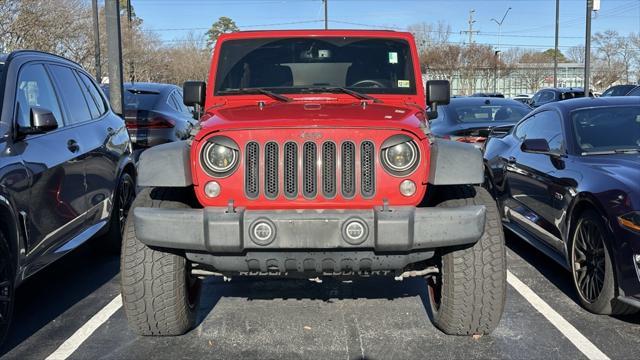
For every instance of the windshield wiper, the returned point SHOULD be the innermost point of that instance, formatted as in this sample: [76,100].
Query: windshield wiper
[268,93]
[626,151]
[611,152]
[355,94]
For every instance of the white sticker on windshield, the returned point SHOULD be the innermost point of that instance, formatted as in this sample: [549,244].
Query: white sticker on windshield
[404,83]
[393,57]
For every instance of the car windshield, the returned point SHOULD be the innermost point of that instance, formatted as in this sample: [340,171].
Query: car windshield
[621,90]
[295,65]
[469,113]
[137,99]
[607,129]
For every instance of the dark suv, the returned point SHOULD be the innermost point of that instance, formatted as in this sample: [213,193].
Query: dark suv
[549,95]
[65,167]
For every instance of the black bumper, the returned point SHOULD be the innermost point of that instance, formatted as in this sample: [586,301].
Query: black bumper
[399,229]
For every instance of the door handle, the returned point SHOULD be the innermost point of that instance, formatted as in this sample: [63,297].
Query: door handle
[73,146]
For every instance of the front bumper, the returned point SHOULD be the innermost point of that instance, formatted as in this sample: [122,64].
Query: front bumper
[396,229]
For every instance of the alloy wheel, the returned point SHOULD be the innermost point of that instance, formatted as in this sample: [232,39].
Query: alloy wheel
[125,198]
[588,257]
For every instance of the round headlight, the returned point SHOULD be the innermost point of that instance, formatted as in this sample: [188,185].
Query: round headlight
[218,158]
[400,157]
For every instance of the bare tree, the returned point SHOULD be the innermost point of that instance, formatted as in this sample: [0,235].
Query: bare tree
[576,54]
[534,68]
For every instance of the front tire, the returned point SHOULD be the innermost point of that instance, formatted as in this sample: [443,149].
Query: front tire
[122,199]
[592,267]
[159,294]
[468,295]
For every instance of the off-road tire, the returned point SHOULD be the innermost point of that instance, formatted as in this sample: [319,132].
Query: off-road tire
[606,303]
[7,288]
[160,297]
[468,295]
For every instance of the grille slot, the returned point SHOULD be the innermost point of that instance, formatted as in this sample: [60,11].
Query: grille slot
[290,169]
[329,169]
[367,169]
[348,169]
[271,170]
[251,170]
[310,170]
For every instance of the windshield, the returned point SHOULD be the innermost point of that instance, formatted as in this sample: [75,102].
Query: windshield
[293,65]
[138,99]
[469,113]
[605,129]
[621,90]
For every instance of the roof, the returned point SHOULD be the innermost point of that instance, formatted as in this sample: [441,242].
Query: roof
[253,34]
[589,102]
[18,53]
[485,101]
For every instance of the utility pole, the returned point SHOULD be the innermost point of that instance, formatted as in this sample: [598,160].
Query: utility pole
[587,49]
[496,58]
[555,54]
[114,50]
[132,72]
[326,14]
[497,53]
[470,32]
[96,39]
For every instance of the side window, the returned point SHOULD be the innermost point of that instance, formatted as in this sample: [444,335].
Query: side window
[72,94]
[171,100]
[548,125]
[547,96]
[96,97]
[177,95]
[523,128]
[634,92]
[35,89]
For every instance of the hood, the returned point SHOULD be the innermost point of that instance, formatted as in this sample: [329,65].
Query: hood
[315,114]
[622,167]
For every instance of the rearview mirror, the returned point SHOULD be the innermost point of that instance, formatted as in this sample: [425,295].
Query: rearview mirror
[536,146]
[194,92]
[41,121]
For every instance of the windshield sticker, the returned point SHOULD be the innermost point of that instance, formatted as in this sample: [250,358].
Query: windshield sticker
[404,83]
[393,57]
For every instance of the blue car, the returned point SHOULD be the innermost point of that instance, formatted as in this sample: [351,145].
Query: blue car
[567,180]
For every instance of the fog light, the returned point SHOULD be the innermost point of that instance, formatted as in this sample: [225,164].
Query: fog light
[263,232]
[212,189]
[354,231]
[407,188]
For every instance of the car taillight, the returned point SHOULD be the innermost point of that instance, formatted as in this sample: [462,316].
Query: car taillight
[156,122]
[471,139]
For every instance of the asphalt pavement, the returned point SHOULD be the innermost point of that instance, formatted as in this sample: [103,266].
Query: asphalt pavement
[73,310]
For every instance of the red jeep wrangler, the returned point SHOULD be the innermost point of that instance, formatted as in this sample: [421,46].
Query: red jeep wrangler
[314,158]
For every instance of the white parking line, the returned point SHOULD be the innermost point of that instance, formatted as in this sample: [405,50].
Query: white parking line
[569,331]
[73,343]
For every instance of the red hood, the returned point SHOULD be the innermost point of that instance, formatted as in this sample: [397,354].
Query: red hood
[314,114]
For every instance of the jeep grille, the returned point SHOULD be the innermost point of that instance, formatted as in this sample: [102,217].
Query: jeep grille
[315,176]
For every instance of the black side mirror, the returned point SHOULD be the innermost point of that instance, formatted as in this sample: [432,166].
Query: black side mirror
[194,93]
[41,121]
[438,93]
[536,146]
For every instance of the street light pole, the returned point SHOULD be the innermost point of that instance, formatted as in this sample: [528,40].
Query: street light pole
[497,53]
[587,49]
[326,14]
[555,54]
[96,40]
[114,50]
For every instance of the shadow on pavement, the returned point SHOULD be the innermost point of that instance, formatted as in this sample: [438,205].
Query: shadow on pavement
[55,289]
[552,271]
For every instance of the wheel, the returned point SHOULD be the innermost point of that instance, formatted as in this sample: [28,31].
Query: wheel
[7,279]
[467,296]
[159,294]
[122,199]
[592,268]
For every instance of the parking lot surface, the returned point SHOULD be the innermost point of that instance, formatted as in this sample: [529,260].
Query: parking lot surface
[72,310]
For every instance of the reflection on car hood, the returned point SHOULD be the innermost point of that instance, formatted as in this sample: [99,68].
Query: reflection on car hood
[622,167]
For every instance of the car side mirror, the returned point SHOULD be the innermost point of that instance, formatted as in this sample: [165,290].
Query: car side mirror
[194,93]
[438,93]
[535,146]
[41,121]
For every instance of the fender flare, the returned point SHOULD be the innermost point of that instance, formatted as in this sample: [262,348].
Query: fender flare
[166,165]
[454,163]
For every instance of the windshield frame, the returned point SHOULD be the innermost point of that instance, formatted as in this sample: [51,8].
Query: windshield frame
[574,132]
[412,68]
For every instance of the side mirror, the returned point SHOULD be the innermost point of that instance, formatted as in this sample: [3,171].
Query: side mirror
[536,146]
[194,93]
[41,121]
[438,93]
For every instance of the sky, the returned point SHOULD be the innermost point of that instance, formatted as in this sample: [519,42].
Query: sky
[529,23]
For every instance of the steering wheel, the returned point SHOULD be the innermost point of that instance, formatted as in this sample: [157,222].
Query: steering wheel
[368,84]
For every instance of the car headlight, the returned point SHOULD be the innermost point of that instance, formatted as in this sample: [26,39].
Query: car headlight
[220,156]
[400,155]
[630,221]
